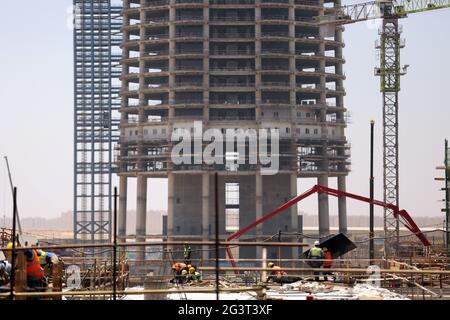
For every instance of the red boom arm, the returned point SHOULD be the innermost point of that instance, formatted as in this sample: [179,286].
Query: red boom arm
[407,221]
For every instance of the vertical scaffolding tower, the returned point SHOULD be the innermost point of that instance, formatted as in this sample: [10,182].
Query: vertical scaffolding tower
[97,40]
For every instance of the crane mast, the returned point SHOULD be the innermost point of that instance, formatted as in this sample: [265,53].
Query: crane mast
[390,72]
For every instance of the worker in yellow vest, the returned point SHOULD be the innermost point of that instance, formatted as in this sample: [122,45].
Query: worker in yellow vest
[316,256]
[47,258]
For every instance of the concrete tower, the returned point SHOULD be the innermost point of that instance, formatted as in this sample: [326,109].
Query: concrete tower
[231,64]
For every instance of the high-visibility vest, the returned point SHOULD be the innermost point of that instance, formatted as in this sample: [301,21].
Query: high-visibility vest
[42,257]
[187,252]
[9,253]
[316,252]
[328,259]
[34,270]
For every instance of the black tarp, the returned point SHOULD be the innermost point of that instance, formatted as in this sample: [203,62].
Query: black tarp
[338,245]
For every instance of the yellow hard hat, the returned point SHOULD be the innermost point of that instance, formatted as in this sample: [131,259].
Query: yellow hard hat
[184,272]
[9,245]
[270,264]
[191,270]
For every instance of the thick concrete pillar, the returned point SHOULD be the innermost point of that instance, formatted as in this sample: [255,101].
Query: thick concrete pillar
[141,214]
[342,205]
[122,219]
[294,213]
[259,209]
[205,213]
[324,215]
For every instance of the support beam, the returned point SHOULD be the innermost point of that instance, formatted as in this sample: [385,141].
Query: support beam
[294,213]
[170,204]
[342,205]
[122,225]
[259,209]
[324,214]
[141,214]
[205,213]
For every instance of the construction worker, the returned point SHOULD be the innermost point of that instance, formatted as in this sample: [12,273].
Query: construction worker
[183,277]
[193,275]
[35,273]
[47,258]
[316,256]
[328,261]
[5,269]
[276,270]
[178,269]
[187,254]
[276,274]
[9,253]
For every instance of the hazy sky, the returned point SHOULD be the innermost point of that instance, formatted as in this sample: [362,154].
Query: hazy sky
[36,96]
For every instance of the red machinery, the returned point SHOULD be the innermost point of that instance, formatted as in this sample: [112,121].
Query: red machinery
[407,221]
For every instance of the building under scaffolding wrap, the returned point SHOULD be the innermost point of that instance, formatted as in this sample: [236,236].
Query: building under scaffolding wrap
[97,42]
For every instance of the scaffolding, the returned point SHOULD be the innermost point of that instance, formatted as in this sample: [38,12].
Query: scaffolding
[97,71]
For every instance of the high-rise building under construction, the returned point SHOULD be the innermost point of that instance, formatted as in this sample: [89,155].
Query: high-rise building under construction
[251,64]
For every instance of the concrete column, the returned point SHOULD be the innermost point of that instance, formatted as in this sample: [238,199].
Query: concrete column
[324,217]
[141,214]
[264,264]
[259,209]
[170,203]
[294,213]
[205,213]
[122,219]
[258,64]
[206,61]
[171,61]
[342,205]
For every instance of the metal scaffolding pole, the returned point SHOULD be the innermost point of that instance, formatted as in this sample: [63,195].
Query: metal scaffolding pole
[447,196]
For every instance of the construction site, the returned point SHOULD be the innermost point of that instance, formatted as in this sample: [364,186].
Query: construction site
[232,102]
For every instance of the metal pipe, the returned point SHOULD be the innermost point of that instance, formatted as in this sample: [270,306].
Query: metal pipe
[114,283]
[348,270]
[150,244]
[447,197]
[13,253]
[12,190]
[216,204]
[371,232]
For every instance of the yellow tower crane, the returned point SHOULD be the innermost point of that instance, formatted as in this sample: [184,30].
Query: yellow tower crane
[390,72]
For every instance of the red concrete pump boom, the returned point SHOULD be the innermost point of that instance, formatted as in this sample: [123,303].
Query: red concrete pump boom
[406,220]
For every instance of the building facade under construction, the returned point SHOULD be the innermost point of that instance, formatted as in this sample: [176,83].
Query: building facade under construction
[234,64]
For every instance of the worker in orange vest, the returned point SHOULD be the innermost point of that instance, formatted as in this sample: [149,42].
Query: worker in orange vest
[35,274]
[276,274]
[328,261]
[276,270]
[178,269]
